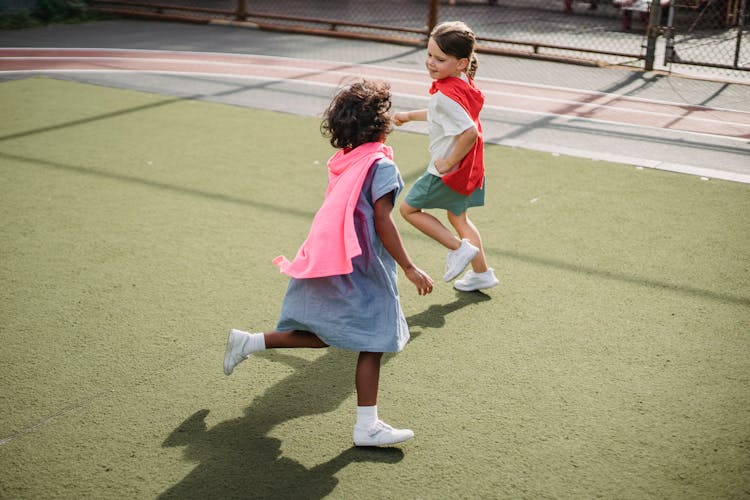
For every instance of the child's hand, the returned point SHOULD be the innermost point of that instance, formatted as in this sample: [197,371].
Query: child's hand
[400,118]
[443,166]
[420,279]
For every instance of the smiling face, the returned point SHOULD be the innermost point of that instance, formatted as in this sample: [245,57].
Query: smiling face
[441,65]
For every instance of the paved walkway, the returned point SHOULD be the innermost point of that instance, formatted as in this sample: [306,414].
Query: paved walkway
[645,119]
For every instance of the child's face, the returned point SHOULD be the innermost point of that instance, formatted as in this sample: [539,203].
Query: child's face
[440,65]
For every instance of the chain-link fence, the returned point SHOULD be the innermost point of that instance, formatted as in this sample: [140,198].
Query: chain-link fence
[706,33]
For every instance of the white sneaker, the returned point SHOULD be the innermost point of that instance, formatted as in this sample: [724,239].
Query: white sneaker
[458,259]
[472,281]
[236,351]
[380,434]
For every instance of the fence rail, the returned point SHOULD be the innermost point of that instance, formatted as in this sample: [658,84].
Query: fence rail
[696,33]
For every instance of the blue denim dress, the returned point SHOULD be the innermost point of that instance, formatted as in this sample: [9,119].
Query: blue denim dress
[360,311]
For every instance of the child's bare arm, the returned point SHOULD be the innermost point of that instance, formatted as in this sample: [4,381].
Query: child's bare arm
[464,142]
[408,116]
[391,238]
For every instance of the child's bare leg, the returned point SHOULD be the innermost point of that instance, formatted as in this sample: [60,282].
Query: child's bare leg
[466,229]
[367,378]
[293,339]
[242,344]
[369,429]
[429,225]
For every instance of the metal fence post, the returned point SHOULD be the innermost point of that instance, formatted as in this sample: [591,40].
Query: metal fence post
[241,12]
[652,33]
[740,29]
[669,52]
[432,15]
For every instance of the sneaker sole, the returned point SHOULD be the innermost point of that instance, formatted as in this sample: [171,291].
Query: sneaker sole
[373,445]
[473,289]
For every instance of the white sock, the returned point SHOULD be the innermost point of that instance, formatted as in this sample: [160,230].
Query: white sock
[255,342]
[366,416]
[251,342]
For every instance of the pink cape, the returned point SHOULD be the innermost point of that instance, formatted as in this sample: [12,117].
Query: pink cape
[332,241]
[470,173]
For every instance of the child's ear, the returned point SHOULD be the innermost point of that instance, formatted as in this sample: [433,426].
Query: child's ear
[463,63]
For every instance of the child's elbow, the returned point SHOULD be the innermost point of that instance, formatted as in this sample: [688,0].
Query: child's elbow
[382,221]
[470,135]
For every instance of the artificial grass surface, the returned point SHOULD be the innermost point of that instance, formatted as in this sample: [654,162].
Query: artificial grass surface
[612,361]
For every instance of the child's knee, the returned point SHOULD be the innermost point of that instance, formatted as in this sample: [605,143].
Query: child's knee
[405,209]
[457,220]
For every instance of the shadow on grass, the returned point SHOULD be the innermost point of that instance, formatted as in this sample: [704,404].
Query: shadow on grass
[162,186]
[237,458]
[683,289]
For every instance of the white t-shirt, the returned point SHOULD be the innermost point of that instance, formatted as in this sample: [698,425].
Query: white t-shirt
[445,120]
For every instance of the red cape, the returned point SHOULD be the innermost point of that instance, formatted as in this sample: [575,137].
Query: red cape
[470,173]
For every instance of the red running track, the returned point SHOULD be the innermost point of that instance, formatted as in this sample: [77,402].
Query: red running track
[500,95]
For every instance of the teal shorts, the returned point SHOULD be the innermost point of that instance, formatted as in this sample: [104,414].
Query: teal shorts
[430,192]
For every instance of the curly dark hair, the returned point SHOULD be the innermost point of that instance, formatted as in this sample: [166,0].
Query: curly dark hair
[359,113]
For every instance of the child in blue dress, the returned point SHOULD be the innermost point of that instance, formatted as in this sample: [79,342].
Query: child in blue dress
[454,180]
[342,291]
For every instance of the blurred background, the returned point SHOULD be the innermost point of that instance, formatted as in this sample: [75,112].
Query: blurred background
[698,36]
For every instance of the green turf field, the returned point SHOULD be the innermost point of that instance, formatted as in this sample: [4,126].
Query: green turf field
[613,360]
